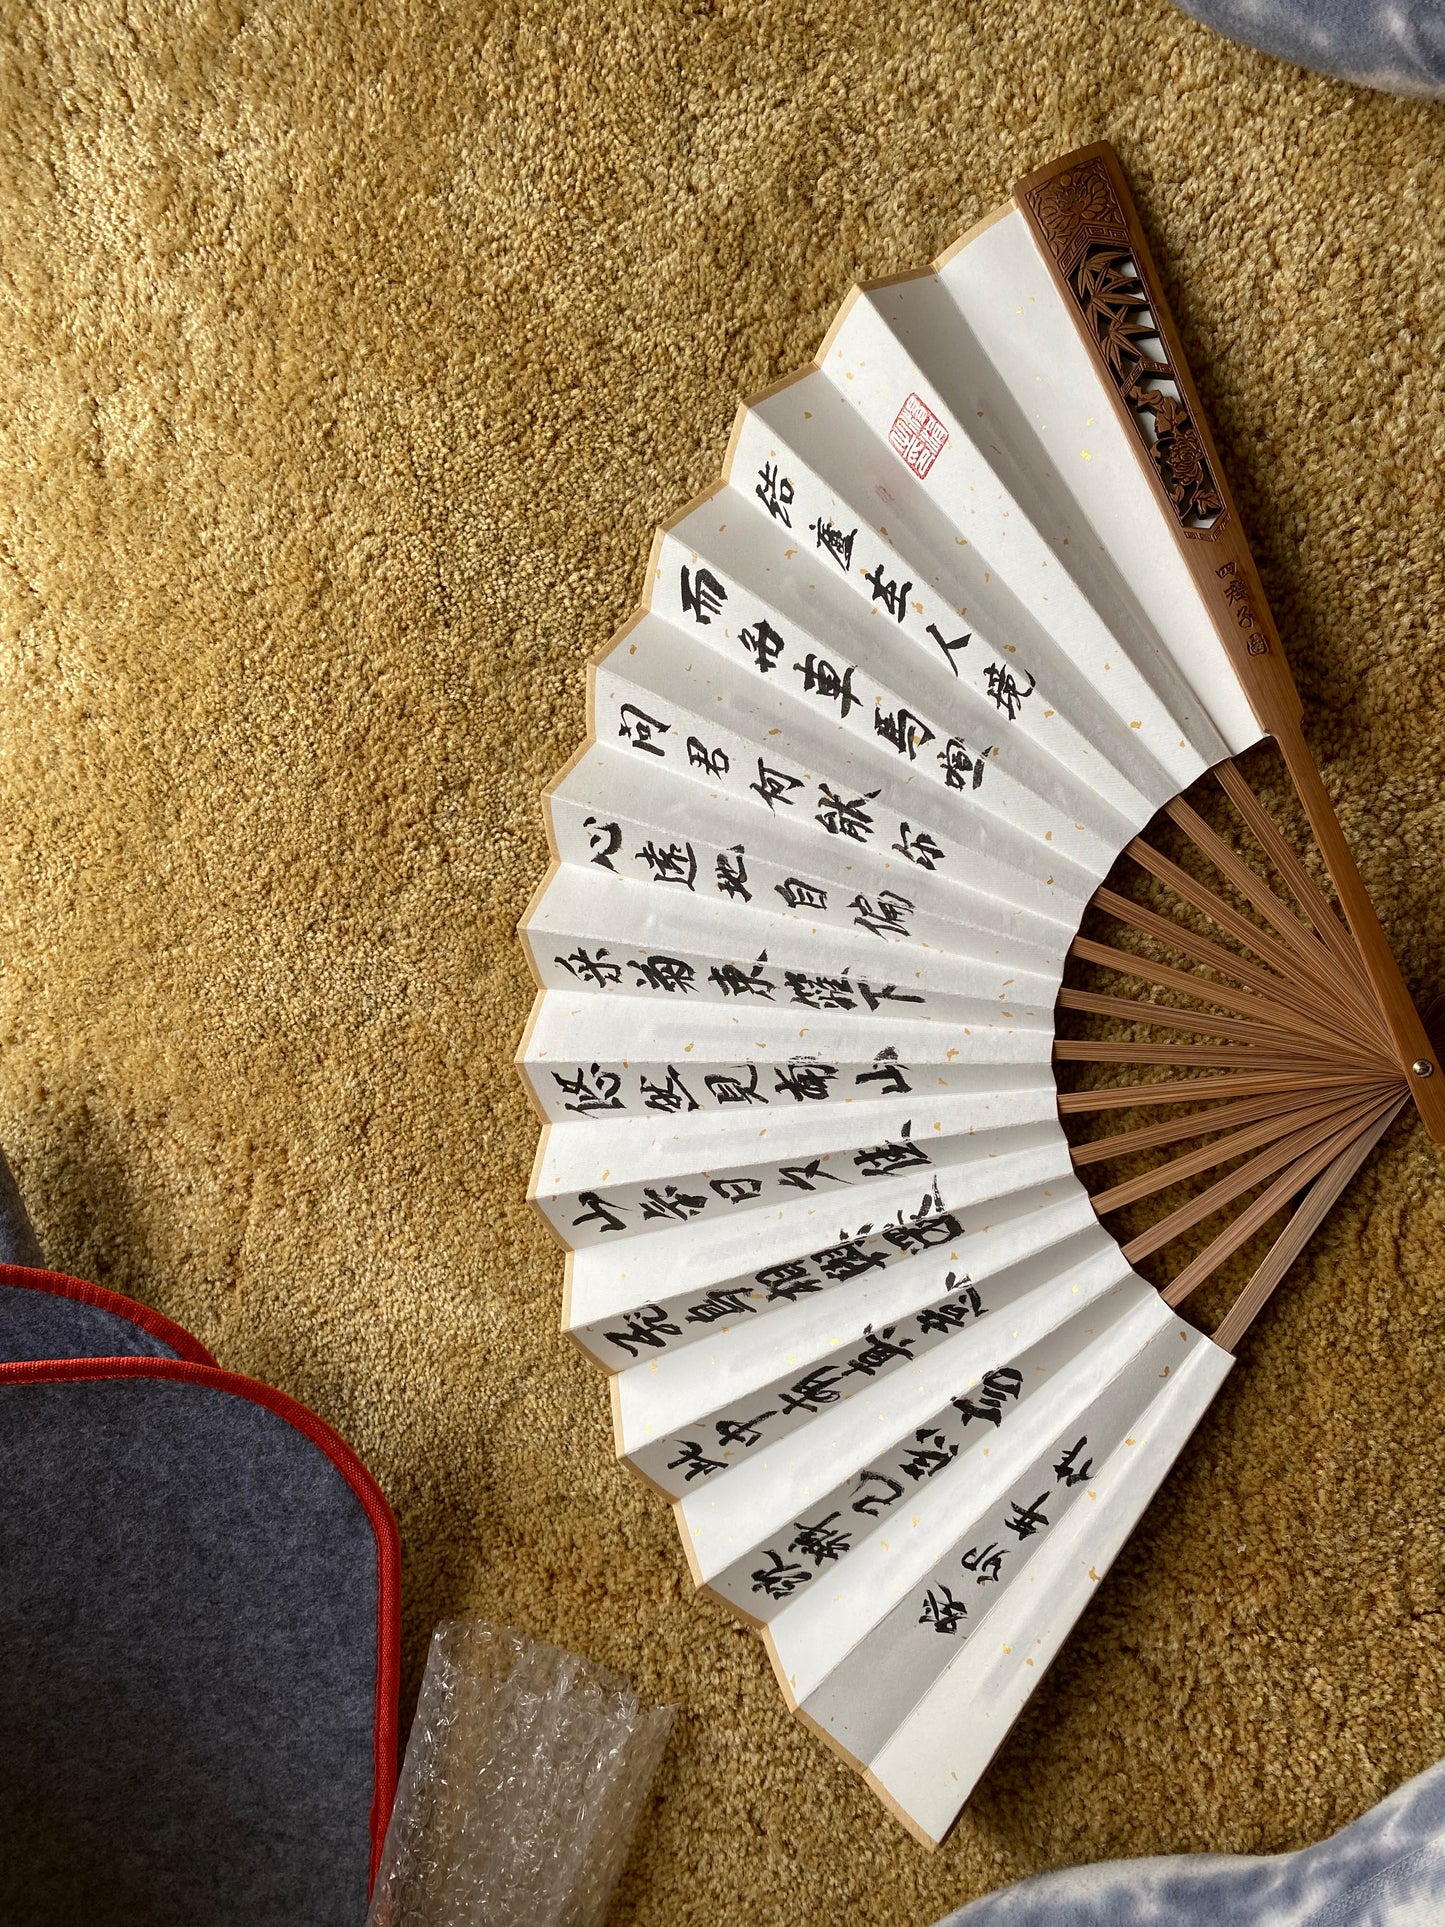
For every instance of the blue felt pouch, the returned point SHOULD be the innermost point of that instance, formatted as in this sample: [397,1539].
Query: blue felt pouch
[199,1603]
[44,1314]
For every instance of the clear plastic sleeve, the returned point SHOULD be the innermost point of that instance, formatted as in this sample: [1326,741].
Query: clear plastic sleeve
[524,1777]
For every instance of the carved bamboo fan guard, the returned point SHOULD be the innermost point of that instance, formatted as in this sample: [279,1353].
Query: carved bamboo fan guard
[971,609]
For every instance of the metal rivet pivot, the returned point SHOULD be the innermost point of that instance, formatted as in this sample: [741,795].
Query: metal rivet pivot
[1422,1067]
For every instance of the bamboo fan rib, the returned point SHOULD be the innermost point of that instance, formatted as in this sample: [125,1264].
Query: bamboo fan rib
[968,614]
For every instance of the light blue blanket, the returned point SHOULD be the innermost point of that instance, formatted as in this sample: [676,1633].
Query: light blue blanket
[1387,1869]
[1395,45]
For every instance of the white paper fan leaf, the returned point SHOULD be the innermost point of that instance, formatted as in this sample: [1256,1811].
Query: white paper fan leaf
[969,608]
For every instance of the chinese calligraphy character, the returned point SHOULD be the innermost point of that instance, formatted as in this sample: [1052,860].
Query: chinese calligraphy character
[668,974]
[639,728]
[594,1092]
[666,1201]
[870,1504]
[880,1348]
[995,1389]
[942,1611]
[779,1579]
[959,642]
[1234,589]
[791,1280]
[898,1154]
[888,1072]
[932,1201]
[883,917]
[907,732]
[958,764]
[598,1211]
[799,895]
[874,995]
[893,595]
[819,993]
[591,970]
[840,817]
[673,863]
[692,1461]
[763,644]
[1003,687]
[821,1543]
[724,1301]
[776,496]
[732,877]
[736,1190]
[814,1389]
[1065,1471]
[672,1096]
[801,1176]
[849,1260]
[729,1088]
[734,981]
[650,1326]
[984,1562]
[926,1233]
[715,761]
[1236,596]
[804,1082]
[952,1314]
[773,785]
[1027,1519]
[702,596]
[931,1453]
[833,542]
[741,1431]
[919,847]
[822,678]
[600,835]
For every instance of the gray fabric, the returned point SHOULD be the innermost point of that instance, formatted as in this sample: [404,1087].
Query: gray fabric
[188,1641]
[44,1324]
[1395,45]
[18,1243]
[1387,1869]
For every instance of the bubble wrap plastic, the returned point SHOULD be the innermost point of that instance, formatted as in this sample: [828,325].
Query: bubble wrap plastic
[524,1776]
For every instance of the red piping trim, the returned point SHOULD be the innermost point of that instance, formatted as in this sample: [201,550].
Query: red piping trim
[373,1502]
[28,1278]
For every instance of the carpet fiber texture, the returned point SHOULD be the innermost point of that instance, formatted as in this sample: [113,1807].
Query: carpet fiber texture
[349,356]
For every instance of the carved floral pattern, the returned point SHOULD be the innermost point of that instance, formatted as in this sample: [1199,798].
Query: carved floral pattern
[1081,198]
[1115,303]
[1088,233]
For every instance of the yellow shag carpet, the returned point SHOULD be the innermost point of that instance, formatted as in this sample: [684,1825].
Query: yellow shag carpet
[349,356]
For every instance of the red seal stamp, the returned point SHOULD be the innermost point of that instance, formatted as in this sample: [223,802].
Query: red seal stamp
[918,435]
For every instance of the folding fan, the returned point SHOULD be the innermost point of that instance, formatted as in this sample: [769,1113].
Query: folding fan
[971,608]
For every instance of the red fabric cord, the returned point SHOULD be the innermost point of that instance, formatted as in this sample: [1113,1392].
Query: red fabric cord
[373,1501]
[24,1278]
